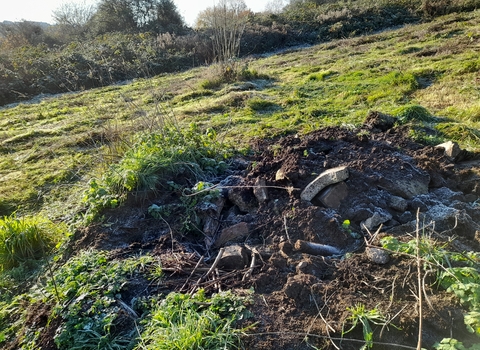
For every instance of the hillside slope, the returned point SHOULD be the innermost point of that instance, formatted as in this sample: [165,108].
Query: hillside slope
[156,177]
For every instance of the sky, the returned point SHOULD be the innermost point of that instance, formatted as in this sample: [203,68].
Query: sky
[41,11]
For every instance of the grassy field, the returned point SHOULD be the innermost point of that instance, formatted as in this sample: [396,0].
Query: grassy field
[64,153]
[54,146]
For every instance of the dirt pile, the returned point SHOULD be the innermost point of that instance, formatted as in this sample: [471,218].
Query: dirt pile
[309,258]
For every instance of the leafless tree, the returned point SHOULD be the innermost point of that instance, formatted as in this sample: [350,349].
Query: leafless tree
[226,20]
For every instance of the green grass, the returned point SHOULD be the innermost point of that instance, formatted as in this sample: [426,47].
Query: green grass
[194,322]
[27,238]
[51,149]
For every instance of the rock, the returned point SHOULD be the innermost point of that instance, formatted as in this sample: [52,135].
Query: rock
[280,175]
[260,190]
[329,177]
[234,258]
[209,212]
[232,233]
[398,203]
[333,196]
[379,217]
[377,255]
[406,181]
[243,198]
[447,196]
[405,217]
[452,149]
[316,248]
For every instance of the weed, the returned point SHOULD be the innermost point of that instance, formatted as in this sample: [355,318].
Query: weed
[194,322]
[365,318]
[463,281]
[89,287]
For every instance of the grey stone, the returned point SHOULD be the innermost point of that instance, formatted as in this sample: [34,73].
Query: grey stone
[405,217]
[243,198]
[447,196]
[452,149]
[209,212]
[260,190]
[405,180]
[232,233]
[397,203]
[234,258]
[377,255]
[325,179]
[333,196]
[379,217]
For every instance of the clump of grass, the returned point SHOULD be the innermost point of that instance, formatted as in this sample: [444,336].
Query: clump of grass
[194,322]
[27,238]
[153,158]
[413,113]
[260,104]
[360,315]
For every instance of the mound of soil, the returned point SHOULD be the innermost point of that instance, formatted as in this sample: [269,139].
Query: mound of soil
[307,259]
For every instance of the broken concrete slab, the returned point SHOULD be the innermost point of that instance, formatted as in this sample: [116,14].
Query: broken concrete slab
[329,177]
[379,217]
[234,257]
[333,195]
[260,190]
[406,184]
[452,149]
[232,233]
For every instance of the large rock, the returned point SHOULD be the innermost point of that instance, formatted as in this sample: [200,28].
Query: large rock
[232,233]
[333,195]
[377,255]
[234,258]
[406,181]
[398,203]
[329,177]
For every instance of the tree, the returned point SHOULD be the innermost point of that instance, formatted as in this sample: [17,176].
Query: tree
[72,18]
[168,19]
[275,6]
[137,15]
[113,16]
[226,21]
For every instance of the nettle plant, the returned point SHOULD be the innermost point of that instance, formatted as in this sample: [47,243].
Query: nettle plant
[457,273]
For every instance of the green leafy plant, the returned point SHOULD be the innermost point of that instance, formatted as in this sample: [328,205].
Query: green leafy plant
[90,287]
[359,315]
[182,321]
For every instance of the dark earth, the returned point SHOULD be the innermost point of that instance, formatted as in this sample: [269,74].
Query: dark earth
[301,296]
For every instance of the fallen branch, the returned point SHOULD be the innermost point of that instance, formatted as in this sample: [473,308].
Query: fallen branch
[215,263]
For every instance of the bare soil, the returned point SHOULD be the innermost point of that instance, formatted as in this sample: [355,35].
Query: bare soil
[301,299]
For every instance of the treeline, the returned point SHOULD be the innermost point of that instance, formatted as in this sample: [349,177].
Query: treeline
[125,39]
